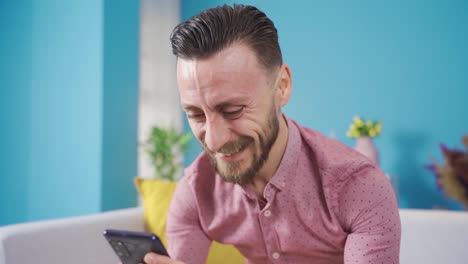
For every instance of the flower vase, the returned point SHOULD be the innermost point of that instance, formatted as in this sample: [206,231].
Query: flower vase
[366,146]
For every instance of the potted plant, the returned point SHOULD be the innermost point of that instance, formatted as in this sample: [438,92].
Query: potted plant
[452,175]
[363,131]
[164,146]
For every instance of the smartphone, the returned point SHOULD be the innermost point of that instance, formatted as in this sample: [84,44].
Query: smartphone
[131,247]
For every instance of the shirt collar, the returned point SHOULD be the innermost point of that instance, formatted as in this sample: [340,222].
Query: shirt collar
[290,157]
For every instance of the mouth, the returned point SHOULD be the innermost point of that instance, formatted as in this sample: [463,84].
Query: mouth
[230,157]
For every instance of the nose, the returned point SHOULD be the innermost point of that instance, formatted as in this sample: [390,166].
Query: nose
[217,134]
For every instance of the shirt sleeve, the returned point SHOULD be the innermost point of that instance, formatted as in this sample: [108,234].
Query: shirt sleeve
[369,211]
[186,240]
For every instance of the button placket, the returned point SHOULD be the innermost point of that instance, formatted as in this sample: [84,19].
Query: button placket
[267,222]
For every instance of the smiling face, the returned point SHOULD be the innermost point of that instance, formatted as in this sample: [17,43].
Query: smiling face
[233,109]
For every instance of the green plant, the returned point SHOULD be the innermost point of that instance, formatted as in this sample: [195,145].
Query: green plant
[361,128]
[164,146]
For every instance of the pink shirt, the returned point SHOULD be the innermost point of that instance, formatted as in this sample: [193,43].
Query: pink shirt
[345,212]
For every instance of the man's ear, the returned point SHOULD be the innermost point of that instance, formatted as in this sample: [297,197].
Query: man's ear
[283,93]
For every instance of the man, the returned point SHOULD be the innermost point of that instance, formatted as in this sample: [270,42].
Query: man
[279,192]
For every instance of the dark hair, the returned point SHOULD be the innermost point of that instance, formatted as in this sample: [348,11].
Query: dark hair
[214,29]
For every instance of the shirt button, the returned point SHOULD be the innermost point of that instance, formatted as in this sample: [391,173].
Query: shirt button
[275,255]
[267,213]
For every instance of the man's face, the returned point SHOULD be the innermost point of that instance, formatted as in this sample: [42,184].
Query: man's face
[229,102]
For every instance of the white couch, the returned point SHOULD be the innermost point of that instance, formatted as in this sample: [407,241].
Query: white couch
[429,237]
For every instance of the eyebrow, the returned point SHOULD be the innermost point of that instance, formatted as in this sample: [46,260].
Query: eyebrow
[191,108]
[227,103]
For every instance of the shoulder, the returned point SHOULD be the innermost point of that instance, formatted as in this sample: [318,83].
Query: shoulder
[198,175]
[336,161]
[199,170]
[343,171]
[185,201]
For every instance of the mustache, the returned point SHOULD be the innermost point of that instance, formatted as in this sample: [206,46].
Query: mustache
[231,146]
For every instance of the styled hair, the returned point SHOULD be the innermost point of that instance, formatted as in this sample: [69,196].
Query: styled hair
[214,29]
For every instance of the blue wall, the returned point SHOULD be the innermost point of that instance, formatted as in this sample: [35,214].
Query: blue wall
[120,105]
[401,62]
[15,90]
[66,101]
[68,127]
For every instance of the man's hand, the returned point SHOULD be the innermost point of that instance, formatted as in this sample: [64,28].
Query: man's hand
[153,258]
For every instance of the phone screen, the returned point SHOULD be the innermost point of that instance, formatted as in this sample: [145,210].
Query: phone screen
[131,247]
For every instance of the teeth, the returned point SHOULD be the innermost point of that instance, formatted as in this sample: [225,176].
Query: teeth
[230,154]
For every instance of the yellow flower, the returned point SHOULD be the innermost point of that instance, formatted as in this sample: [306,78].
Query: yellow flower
[378,127]
[358,121]
[361,128]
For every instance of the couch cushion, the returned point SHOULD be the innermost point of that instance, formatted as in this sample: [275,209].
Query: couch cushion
[433,236]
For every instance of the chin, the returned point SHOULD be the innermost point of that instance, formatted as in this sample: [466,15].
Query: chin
[238,176]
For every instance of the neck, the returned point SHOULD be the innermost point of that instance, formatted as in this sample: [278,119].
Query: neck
[274,159]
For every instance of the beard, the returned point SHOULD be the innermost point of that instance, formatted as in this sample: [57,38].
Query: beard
[232,171]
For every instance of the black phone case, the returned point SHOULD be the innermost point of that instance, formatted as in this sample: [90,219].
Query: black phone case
[131,247]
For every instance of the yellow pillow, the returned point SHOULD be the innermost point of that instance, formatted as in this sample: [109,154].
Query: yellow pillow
[157,195]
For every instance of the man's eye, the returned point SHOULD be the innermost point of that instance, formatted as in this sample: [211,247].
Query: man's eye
[233,113]
[196,117]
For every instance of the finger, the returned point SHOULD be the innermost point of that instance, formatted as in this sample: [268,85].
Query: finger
[153,258]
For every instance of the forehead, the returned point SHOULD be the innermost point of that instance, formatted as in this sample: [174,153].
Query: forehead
[232,72]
